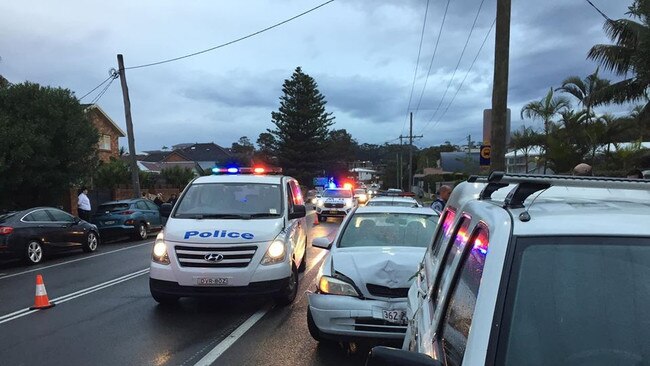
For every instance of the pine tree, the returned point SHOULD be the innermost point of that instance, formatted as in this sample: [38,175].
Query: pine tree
[302,127]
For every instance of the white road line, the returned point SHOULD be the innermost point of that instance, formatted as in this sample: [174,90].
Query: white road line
[223,346]
[75,260]
[76,294]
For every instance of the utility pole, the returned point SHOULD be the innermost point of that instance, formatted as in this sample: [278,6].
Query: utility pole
[135,179]
[397,169]
[500,87]
[400,185]
[469,146]
[410,137]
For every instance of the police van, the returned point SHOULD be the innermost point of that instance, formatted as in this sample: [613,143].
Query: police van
[240,231]
[334,202]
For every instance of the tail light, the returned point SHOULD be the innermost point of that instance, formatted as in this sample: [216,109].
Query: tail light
[127,212]
[6,230]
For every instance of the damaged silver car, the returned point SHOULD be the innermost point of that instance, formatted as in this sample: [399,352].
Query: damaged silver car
[364,280]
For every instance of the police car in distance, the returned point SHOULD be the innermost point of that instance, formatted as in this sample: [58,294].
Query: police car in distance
[241,231]
[334,202]
[533,270]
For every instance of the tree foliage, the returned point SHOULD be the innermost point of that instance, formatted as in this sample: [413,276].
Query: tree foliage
[112,174]
[301,127]
[47,144]
[177,176]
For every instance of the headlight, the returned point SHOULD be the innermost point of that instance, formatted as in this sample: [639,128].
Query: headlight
[319,203]
[363,198]
[159,254]
[332,286]
[275,253]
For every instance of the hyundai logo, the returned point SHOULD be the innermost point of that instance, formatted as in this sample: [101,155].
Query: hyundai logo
[213,257]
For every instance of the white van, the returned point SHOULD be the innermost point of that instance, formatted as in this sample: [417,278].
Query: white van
[241,231]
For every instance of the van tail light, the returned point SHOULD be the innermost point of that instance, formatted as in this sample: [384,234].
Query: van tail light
[449,220]
[127,212]
[6,230]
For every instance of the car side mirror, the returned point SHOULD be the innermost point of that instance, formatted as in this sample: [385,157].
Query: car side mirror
[299,211]
[165,209]
[76,219]
[386,356]
[322,242]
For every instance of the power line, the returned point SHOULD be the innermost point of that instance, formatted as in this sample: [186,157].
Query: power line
[487,35]
[101,93]
[433,56]
[462,53]
[417,64]
[598,10]
[97,87]
[228,43]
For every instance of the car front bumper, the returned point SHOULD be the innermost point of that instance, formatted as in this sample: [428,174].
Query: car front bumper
[253,289]
[332,212]
[345,317]
[110,231]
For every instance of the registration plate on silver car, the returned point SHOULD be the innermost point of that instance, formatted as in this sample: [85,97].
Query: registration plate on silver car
[394,316]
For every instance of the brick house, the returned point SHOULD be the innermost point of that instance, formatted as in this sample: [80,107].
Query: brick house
[109,132]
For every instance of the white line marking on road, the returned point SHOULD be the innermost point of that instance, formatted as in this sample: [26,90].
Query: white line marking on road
[76,294]
[75,260]
[223,346]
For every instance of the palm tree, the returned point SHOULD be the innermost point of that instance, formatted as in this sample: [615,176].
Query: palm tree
[627,57]
[546,109]
[584,89]
[524,140]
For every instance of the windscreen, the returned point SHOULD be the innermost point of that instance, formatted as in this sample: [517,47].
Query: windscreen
[578,301]
[389,230]
[112,207]
[359,191]
[7,216]
[230,200]
[337,193]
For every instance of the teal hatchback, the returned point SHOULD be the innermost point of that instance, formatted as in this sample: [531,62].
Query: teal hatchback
[135,218]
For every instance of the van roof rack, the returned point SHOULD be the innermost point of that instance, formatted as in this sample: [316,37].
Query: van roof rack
[527,184]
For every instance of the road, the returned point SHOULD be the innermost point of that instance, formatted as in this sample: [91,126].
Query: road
[106,316]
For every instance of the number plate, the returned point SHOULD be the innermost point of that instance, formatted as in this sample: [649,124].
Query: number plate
[394,316]
[205,281]
[109,222]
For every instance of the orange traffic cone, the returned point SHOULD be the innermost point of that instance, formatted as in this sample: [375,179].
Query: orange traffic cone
[316,218]
[41,301]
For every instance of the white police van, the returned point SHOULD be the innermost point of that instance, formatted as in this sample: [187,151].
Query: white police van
[241,231]
[533,270]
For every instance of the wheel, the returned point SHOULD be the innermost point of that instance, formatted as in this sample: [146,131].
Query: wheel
[322,218]
[289,292]
[140,232]
[303,262]
[34,252]
[313,329]
[164,299]
[91,242]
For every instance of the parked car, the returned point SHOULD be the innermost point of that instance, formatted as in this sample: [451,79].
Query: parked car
[34,233]
[364,280]
[393,201]
[134,217]
[533,270]
[361,195]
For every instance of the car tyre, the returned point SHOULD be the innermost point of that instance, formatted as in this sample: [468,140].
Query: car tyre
[313,329]
[33,252]
[288,293]
[141,232]
[91,243]
[303,262]
[164,299]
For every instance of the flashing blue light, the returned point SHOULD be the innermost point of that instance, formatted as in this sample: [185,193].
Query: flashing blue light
[216,170]
[233,170]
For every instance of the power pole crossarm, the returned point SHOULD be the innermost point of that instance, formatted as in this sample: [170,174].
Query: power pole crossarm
[410,137]
[135,178]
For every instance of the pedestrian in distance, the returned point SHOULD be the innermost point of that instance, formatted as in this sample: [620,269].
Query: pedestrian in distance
[158,200]
[634,174]
[83,204]
[583,170]
[443,195]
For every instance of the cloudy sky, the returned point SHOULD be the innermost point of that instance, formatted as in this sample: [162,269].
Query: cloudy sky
[362,54]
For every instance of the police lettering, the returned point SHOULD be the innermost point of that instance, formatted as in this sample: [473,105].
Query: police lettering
[219,234]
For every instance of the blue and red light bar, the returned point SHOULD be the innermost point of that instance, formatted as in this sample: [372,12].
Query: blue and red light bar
[247,170]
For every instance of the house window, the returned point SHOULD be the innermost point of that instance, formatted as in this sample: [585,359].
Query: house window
[105,142]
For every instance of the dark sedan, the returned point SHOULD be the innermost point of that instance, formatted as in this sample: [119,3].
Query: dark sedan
[31,234]
[134,218]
